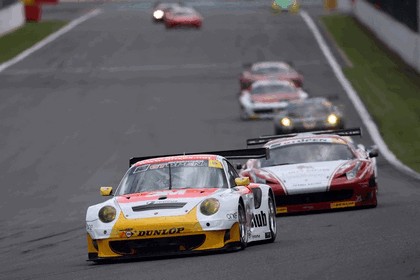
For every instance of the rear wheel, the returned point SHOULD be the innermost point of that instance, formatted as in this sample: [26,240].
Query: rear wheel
[243,235]
[272,219]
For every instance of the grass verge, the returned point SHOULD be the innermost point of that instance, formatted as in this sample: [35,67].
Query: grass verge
[389,88]
[14,43]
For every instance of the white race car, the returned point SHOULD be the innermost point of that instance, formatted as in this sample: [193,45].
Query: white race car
[264,99]
[179,204]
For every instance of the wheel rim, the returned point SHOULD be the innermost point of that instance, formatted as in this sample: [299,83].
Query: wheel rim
[272,215]
[242,224]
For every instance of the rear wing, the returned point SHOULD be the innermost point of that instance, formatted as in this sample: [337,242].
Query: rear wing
[340,132]
[228,154]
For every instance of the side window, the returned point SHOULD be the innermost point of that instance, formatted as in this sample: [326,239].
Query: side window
[232,174]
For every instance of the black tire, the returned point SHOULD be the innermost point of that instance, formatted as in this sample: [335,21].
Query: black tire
[243,234]
[272,219]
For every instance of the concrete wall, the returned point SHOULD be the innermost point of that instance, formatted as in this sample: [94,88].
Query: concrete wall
[398,37]
[11,17]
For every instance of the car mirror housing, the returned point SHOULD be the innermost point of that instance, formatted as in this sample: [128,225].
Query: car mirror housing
[106,191]
[373,152]
[243,181]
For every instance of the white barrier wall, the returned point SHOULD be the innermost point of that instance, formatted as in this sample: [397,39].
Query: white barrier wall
[11,17]
[397,36]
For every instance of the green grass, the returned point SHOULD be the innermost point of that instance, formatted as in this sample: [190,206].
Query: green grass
[389,88]
[14,43]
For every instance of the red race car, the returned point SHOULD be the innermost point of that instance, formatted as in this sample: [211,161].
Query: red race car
[316,171]
[269,71]
[183,17]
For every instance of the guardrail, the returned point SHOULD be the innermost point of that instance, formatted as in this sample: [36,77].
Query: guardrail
[11,16]
[397,36]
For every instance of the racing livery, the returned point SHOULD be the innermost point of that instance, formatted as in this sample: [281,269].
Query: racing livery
[179,204]
[316,171]
[266,98]
[270,70]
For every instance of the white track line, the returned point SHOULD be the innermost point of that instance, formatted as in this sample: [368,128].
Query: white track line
[358,104]
[48,39]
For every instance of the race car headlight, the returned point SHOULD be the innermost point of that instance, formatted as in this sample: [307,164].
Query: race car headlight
[286,122]
[332,119]
[209,206]
[353,172]
[107,214]
[158,14]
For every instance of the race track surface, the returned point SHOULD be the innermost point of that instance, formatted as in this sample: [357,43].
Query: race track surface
[117,86]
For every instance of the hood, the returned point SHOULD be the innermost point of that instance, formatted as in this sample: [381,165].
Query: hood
[163,202]
[305,177]
[274,97]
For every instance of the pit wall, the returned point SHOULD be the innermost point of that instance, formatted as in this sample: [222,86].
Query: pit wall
[11,17]
[399,38]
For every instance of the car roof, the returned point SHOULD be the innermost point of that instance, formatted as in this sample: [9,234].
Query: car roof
[272,82]
[178,158]
[266,64]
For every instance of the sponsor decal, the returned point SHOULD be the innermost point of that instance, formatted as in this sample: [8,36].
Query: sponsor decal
[89,227]
[195,163]
[159,232]
[343,204]
[281,210]
[259,220]
[232,216]
[215,163]
[256,236]
[268,235]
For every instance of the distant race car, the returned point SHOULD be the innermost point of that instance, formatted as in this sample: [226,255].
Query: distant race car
[181,204]
[306,115]
[264,99]
[293,6]
[316,171]
[268,71]
[160,9]
[183,17]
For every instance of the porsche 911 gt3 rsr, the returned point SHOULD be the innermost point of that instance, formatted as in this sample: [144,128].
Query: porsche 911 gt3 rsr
[316,171]
[179,204]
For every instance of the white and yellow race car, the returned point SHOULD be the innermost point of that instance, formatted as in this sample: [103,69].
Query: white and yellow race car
[181,204]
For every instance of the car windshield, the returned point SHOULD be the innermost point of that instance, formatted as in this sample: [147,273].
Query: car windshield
[268,70]
[272,88]
[308,109]
[307,152]
[184,13]
[173,175]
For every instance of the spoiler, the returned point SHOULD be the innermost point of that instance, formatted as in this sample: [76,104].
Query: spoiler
[228,154]
[340,132]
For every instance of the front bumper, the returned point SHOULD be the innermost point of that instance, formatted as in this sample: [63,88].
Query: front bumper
[136,247]
[338,198]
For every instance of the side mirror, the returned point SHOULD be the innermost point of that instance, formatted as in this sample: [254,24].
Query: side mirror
[373,152]
[243,181]
[239,166]
[106,191]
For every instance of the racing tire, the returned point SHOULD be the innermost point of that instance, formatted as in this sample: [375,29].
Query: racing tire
[272,223]
[243,234]
[243,114]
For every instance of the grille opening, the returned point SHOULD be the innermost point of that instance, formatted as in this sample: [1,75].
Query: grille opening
[157,245]
[308,198]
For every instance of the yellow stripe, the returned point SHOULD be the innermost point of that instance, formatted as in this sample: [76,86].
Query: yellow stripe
[343,204]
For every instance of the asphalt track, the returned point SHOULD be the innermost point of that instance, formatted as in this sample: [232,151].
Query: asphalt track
[117,86]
